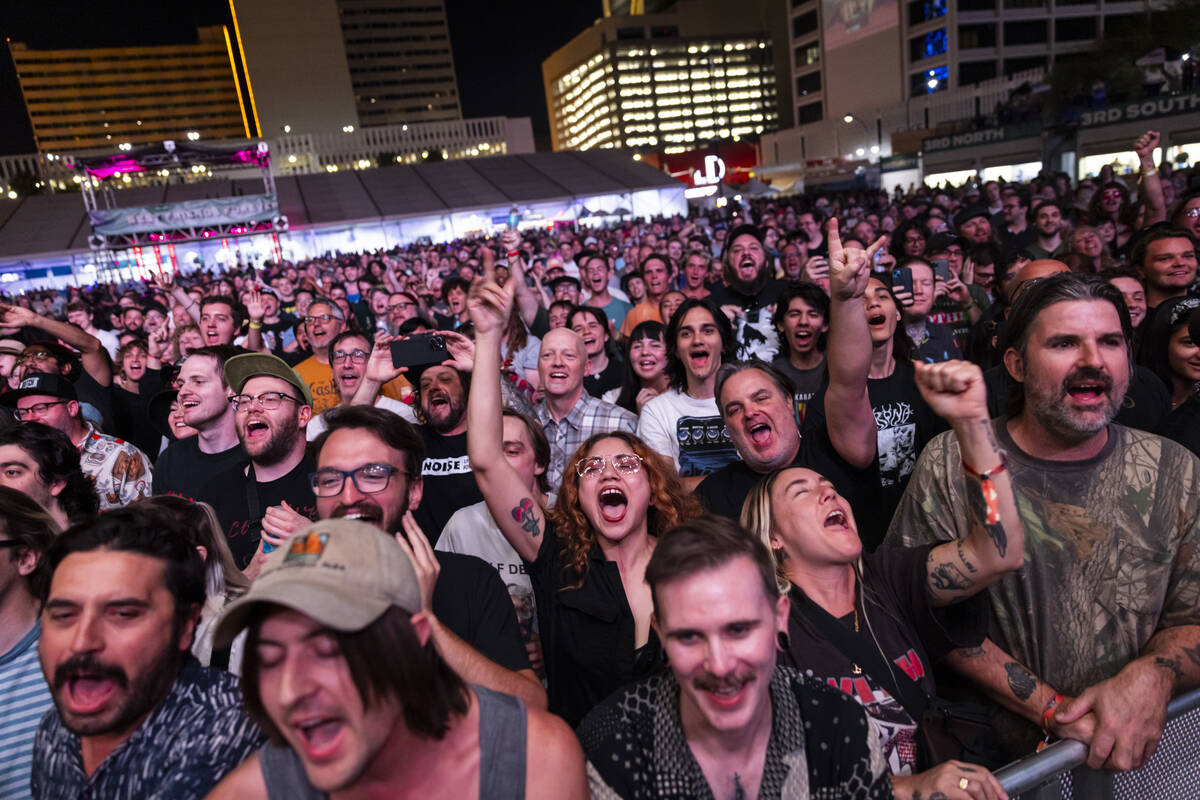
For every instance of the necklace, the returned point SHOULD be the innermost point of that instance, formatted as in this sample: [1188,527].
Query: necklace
[857,670]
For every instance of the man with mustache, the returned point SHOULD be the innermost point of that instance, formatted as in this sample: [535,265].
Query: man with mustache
[726,720]
[135,715]
[262,504]
[368,468]
[1103,615]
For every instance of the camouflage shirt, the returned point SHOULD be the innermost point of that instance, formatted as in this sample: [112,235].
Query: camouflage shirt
[1110,549]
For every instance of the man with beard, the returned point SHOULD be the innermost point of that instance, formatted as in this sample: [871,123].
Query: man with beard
[1047,227]
[569,415]
[749,293]
[1104,609]
[974,224]
[802,319]
[271,497]
[727,720]
[136,716]
[121,472]
[368,468]
[186,466]
[684,423]
[442,400]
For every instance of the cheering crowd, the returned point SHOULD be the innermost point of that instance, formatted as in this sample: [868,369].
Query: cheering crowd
[841,495]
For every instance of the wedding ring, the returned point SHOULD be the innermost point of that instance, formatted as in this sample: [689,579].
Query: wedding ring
[963,783]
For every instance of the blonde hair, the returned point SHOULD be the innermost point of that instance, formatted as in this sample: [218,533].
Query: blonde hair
[758,517]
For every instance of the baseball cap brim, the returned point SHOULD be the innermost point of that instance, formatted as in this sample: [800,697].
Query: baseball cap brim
[245,366]
[330,606]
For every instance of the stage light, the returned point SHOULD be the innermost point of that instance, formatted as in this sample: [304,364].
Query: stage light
[287,128]
[848,119]
[193,135]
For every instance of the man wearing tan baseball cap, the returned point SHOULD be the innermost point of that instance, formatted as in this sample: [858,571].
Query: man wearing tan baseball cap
[341,673]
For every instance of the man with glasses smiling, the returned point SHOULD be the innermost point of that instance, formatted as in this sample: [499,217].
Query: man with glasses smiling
[261,505]
[348,355]
[322,323]
[120,471]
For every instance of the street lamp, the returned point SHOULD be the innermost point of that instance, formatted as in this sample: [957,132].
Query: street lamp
[850,118]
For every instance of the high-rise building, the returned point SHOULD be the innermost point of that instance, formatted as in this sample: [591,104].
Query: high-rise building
[702,71]
[106,97]
[400,61]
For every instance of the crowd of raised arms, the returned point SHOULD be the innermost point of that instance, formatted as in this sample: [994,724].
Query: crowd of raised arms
[839,495]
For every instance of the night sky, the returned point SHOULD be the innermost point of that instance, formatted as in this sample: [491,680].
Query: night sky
[498,47]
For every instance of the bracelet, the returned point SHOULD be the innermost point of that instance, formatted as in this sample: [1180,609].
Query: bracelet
[256,326]
[1048,711]
[991,497]
[514,253]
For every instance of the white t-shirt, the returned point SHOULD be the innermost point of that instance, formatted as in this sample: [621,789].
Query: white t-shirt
[316,425]
[688,430]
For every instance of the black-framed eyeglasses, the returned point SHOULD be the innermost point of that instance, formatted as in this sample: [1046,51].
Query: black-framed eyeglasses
[324,319]
[37,409]
[368,479]
[357,356]
[622,463]
[267,401]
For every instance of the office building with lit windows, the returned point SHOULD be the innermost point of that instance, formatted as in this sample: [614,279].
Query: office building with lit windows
[699,73]
[105,97]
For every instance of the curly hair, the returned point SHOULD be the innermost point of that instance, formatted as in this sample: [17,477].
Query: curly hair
[669,503]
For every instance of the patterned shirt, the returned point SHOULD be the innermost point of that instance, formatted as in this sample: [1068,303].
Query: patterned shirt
[1112,550]
[197,735]
[821,746]
[120,471]
[589,417]
[24,698]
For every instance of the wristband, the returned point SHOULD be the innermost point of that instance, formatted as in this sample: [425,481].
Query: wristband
[1048,711]
[514,253]
[991,497]
[256,326]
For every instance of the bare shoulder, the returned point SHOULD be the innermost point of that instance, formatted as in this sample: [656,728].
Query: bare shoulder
[244,783]
[554,763]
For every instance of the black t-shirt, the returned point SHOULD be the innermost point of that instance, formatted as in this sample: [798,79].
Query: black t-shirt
[131,420]
[903,633]
[904,422]
[610,378]
[724,491]
[1183,424]
[1145,406]
[449,482]
[939,344]
[807,382]
[241,503]
[183,469]
[471,600]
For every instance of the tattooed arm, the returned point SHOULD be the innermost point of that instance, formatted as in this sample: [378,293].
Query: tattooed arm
[995,540]
[1015,687]
[1131,706]
[512,503]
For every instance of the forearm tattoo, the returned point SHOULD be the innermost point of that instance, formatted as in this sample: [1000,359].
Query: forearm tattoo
[969,652]
[1021,681]
[1171,665]
[525,514]
[1193,653]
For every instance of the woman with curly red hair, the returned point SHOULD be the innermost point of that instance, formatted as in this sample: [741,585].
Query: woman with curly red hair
[587,556]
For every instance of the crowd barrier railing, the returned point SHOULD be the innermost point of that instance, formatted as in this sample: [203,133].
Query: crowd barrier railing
[1059,771]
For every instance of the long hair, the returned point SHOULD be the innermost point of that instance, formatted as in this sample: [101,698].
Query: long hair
[675,367]
[23,520]
[385,659]
[57,459]
[669,503]
[631,384]
[757,517]
[223,581]
[1169,317]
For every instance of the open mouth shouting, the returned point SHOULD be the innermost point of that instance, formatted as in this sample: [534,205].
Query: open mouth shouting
[257,429]
[760,434]
[699,360]
[747,269]
[319,736]
[724,692]
[837,519]
[349,379]
[804,337]
[1088,388]
[86,686]
[613,504]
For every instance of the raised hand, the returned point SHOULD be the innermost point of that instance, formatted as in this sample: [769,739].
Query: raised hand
[488,303]
[1144,147]
[16,317]
[510,240]
[816,269]
[379,364]
[425,563]
[461,349]
[849,267]
[158,342]
[255,308]
[953,389]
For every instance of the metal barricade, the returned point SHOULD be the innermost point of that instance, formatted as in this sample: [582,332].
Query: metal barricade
[1058,772]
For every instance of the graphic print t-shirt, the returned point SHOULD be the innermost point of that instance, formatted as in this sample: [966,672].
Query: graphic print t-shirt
[690,431]
[449,482]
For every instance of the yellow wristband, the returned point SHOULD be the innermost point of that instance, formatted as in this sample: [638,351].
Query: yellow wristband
[255,326]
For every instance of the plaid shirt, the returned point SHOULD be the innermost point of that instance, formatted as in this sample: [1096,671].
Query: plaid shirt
[589,416]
